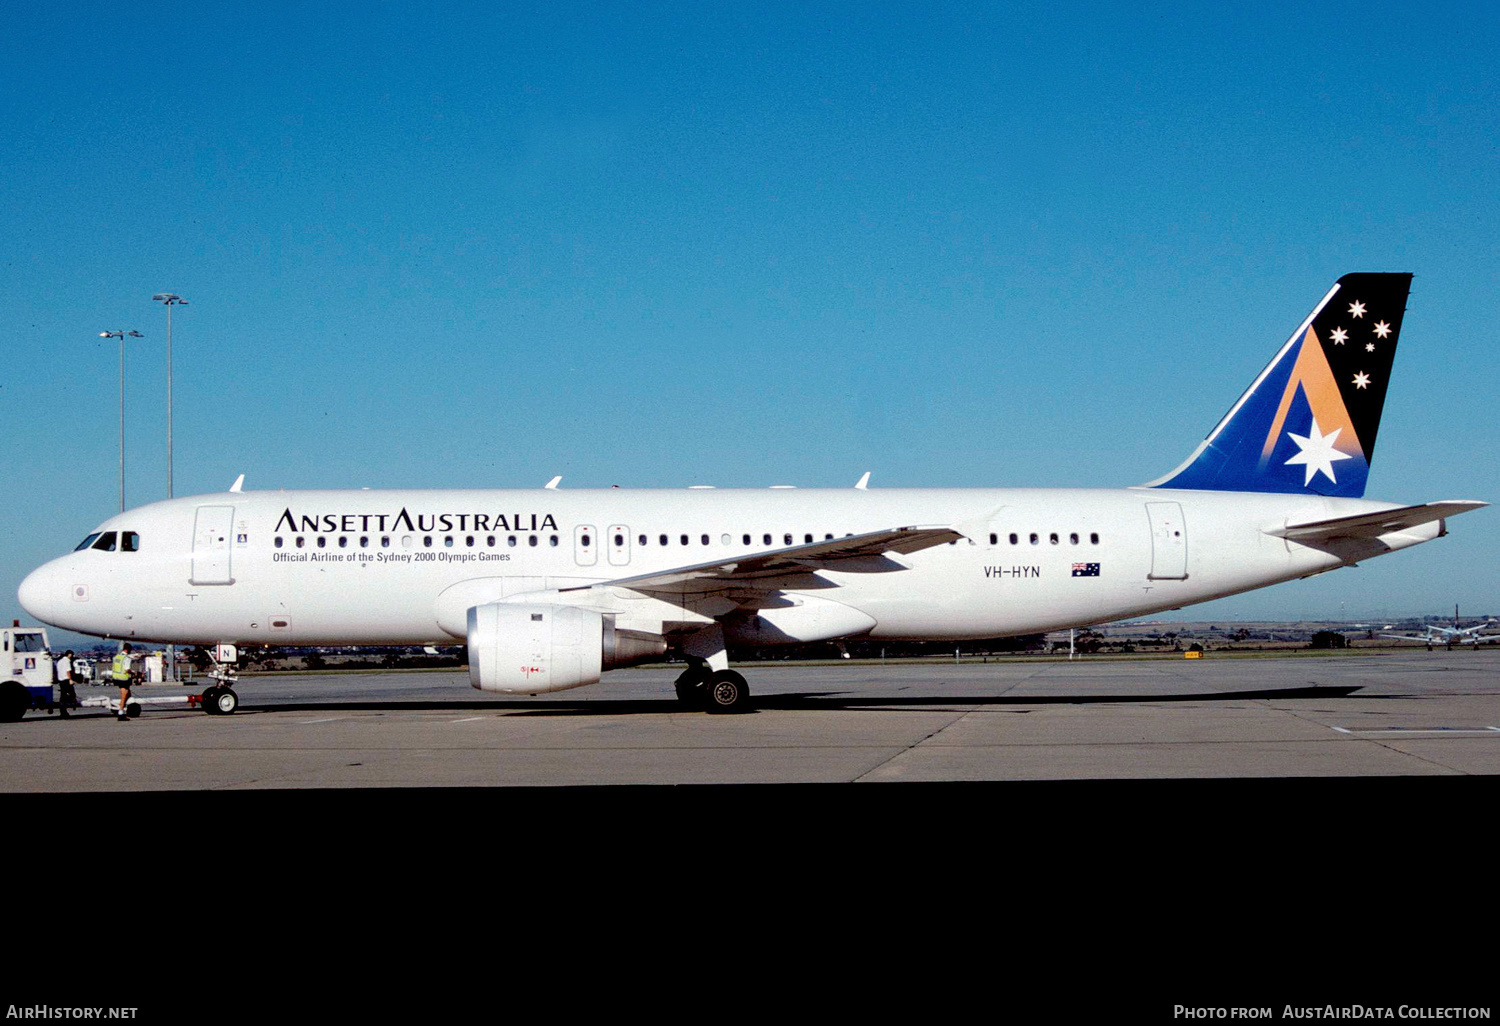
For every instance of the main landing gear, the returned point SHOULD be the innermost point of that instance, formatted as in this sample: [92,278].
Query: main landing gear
[720,691]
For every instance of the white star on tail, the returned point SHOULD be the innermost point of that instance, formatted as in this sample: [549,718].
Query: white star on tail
[1357,309]
[1382,329]
[1361,380]
[1317,453]
[1340,336]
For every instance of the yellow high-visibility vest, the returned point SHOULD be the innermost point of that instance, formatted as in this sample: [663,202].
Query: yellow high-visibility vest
[120,668]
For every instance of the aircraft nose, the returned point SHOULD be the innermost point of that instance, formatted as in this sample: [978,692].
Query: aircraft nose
[41,594]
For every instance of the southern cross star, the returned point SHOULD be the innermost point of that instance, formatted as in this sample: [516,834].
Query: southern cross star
[1356,309]
[1317,454]
[1361,380]
[1340,336]
[1382,329]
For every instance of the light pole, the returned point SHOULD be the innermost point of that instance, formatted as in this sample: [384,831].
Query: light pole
[169,298]
[121,335]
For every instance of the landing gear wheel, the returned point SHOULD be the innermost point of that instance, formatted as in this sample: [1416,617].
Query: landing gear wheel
[133,709]
[690,689]
[225,701]
[727,692]
[208,699]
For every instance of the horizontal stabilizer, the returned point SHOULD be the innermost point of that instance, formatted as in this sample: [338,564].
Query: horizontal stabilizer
[1373,525]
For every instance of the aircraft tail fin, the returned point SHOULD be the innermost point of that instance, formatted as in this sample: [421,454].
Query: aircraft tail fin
[1307,424]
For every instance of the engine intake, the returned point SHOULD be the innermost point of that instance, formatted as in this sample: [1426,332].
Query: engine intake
[532,649]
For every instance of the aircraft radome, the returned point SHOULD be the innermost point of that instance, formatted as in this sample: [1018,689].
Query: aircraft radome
[550,587]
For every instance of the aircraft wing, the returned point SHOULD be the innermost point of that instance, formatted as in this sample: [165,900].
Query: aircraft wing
[859,553]
[1373,525]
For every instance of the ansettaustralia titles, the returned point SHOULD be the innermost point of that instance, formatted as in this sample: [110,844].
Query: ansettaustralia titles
[336,523]
[1333,1012]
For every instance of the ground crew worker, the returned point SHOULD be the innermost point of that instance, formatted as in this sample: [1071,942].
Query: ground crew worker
[67,698]
[120,671]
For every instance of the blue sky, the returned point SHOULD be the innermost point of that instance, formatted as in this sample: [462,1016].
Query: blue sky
[661,244]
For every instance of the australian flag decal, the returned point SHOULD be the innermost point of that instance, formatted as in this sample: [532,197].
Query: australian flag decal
[1085,569]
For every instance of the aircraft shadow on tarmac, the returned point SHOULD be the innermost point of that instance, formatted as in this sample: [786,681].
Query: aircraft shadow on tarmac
[817,701]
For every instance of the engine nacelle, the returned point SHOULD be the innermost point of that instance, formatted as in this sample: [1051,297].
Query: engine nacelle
[530,649]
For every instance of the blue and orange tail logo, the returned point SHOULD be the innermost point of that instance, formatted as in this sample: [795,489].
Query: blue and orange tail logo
[1308,423]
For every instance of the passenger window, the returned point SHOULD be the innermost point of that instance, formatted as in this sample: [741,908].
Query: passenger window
[705,539]
[278,541]
[1053,537]
[684,539]
[131,542]
[364,541]
[490,541]
[552,541]
[343,541]
[385,541]
[1093,539]
[426,541]
[448,541]
[301,541]
[1034,538]
[642,539]
[619,541]
[468,541]
[1073,538]
[745,540]
[531,540]
[663,539]
[583,540]
[788,538]
[767,538]
[994,538]
[322,542]
[511,540]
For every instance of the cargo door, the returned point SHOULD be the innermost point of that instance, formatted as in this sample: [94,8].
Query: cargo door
[211,549]
[1168,541]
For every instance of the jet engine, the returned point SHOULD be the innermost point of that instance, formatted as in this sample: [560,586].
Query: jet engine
[530,649]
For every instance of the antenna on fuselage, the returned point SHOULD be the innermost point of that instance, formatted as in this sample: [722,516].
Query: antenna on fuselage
[864,482]
[239,483]
[552,485]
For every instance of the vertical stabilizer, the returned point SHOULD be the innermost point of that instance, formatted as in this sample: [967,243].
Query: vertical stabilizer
[1308,422]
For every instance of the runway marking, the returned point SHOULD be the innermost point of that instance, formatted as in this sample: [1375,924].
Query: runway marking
[329,719]
[1421,730]
[467,719]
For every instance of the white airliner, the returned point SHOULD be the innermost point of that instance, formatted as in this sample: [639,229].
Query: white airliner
[551,587]
[1450,636]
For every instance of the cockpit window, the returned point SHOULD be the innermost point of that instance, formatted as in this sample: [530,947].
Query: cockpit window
[130,541]
[87,542]
[106,542]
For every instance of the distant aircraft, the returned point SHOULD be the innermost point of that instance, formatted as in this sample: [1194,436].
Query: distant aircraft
[551,587]
[1450,636]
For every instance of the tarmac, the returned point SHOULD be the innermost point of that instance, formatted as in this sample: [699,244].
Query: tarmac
[1397,714]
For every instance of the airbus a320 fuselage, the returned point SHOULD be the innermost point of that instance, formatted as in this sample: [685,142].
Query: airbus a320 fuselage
[549,588]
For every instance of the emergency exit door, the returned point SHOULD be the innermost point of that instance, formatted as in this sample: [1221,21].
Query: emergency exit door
[211,549]
[1168,541]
